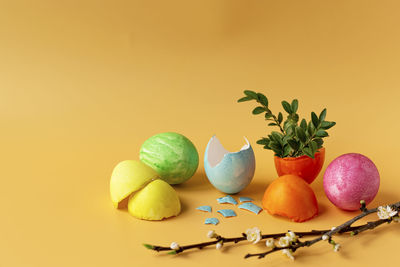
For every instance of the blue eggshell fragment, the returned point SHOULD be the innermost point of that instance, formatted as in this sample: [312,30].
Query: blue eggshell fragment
[227,200]
[227,213]
[229,172]
[214,221]
[245,199]
[250,207]
[204,208]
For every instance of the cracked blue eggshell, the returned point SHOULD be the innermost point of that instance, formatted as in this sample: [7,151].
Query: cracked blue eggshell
[214,221]
[204,208]
[227,200]
[245,199]
[229,172]
[227,213]
[250,207]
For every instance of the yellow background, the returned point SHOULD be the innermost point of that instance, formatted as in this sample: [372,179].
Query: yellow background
[84,83]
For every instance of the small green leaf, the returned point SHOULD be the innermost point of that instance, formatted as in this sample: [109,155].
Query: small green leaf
[327,124]
[314,147]
[288,124]
[311,129]
[300,134]
[268,115]
[148,246]
[294,105]
[243,99]
[286,106]
[314,119]
[263,99]
[322,115]
[321,133]
[307,151]
[293,144]
[267,147]
[173,252]
[275,146]
[251,94]
[280,117]
[303,124]
[285,139]
[319,142]
[307,135]
[258,110]
[263,141]
[272,124]
[277,137]
[294,118]
[286,150]
[289,130]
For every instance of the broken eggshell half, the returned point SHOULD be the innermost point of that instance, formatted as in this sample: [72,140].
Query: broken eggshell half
[229,172]
[147,196]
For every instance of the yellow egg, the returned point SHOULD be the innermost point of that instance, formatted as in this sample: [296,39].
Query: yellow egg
[156,201]
[127,177]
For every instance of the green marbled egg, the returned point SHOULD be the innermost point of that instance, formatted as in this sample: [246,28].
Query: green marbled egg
[171,155]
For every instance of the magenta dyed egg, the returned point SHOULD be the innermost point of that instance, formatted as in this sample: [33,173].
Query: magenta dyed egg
[350,178]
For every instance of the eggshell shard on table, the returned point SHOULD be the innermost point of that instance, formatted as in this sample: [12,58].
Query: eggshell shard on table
[214,221]
[227,200]
[204,208]
[349,179]
[245,199]
[250,207]
[227,213]
[158,200]
[229,172]
[173,156]
[127,177]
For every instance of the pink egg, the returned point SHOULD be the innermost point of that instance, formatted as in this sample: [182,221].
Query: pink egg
[350,178]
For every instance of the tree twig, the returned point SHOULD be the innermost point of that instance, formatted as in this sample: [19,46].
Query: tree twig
[343,228]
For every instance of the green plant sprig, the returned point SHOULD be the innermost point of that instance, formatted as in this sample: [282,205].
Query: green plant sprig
[293,139]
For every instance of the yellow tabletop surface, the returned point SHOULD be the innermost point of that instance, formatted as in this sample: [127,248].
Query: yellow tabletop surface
[84,83]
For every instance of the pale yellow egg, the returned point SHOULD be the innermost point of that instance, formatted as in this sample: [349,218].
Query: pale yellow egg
[156,201]
[127,177]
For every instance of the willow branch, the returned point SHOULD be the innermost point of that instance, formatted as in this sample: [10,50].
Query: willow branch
[345,227]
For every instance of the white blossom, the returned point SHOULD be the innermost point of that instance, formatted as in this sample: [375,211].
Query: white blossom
[253,235]
[211,234]
[333,228]
[284,241]
[325,237]
[291,236]
[218,245]
[288,253]
[174,246]
[386,212]
[270,243]
[336,247]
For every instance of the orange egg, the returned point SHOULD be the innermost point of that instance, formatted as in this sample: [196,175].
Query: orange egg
[290,196]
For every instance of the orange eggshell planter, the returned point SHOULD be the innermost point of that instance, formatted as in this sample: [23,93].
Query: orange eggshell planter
[304,166]
[290,196]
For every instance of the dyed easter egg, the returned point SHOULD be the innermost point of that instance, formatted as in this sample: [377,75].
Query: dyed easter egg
[127,177]
[229,172]
[292,197]
[171,155]
[349,179]
[156,201]
[149,198]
